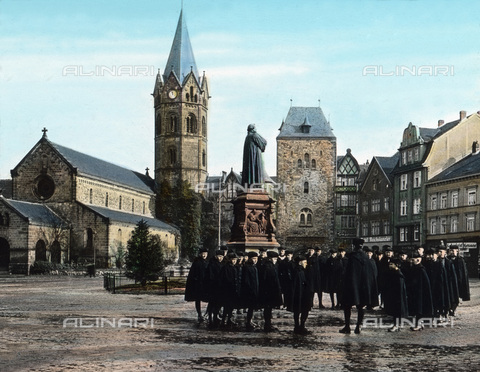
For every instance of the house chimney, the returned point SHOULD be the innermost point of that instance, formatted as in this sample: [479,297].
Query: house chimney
[462,115]
[441,122]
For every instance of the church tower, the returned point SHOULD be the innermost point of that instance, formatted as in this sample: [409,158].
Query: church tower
[181,104]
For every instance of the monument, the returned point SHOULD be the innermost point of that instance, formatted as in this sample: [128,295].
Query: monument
[253,226]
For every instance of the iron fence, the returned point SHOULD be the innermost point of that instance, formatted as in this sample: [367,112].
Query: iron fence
[119,283]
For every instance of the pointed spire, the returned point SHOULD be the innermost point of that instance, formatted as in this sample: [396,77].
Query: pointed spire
[158,82]
[181,59]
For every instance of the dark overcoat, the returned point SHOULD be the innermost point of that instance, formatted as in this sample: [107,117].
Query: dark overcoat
[301,293]
[333,272]
[229,285]
[314,276]
[419,295]
[452,283]
[359,281]
[462,277]
[249,288]
[270,291]
[212,280]
[395,294]
[285,276]
[195,286]
[438,284]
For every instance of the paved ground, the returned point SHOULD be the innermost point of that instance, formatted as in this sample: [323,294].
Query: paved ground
[40,330]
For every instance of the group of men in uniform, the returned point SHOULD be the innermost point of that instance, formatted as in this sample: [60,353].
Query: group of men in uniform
[420,286]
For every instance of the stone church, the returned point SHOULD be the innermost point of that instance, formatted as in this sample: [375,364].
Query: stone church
[62,205]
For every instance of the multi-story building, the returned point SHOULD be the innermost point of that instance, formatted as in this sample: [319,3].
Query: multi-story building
[346,187]
[453,208]
[306,160]
[375,199]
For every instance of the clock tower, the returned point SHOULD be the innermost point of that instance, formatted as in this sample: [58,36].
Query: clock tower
[181,104]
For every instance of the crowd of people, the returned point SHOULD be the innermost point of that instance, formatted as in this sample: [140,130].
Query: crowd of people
[421,285]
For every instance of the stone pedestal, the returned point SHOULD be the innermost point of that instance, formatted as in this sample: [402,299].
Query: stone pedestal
[253,226]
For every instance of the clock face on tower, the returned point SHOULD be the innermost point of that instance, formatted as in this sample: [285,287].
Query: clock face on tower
[172,94]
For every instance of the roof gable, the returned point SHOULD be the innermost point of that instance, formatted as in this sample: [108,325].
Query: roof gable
[35,213]
[299,118]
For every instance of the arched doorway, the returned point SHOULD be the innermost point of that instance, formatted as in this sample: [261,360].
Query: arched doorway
[40,251]
[4,254]
[56,252]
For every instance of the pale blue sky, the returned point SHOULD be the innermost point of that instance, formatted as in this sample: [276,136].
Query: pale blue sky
[257,56]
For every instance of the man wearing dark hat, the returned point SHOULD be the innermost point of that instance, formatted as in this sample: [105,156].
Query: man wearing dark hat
[359,287]
[301,296]
[383,267]
[332,272]
[343,260]
[285,276]
[321,261]
[194,288]
[213,288]
[438,283]
[462,274]
[451,279]
[369,252]
[250,288]
[313,274]
[270,290]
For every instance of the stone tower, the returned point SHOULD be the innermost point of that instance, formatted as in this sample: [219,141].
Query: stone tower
[181,104]
[306,160]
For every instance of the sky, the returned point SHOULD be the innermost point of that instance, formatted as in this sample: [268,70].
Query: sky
[260,57]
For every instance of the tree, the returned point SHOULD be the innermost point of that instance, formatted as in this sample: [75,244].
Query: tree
[144,259]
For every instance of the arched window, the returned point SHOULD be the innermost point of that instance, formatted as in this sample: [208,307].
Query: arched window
[56,252]
[204,127]
[158,124]
[187,96]
[191,124]
[307,160]
[204,158]
[40,251]
[306,216]
[173,123]
[173,156]
[89,242]
[299,163]
[305,188]
[133,205]
[191,92]
[314,164]
[90,197]
[120,202]
[106,199]
[143,207]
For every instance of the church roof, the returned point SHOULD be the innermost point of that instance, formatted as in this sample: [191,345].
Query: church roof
[311,117]
[181,60]
[103,170]
[34,212]
[131,218]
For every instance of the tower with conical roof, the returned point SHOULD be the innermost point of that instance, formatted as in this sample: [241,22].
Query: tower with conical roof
[181,104]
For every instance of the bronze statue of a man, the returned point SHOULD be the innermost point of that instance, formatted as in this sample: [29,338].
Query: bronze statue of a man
[253,170]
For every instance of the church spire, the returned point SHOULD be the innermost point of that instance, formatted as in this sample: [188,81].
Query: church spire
[181,60]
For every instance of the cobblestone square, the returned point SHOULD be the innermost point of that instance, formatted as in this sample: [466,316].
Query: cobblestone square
[58,323]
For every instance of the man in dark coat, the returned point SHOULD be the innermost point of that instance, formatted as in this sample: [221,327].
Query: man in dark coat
[462,273]
[359,289]
[194,288]
[253,170]
[438,283]
[301,296]
[369,253]
[451,279]
[270,290]
[249,289]
[333,269]
[213,288]
[229,288]
[383,267]
[419,295]
[321,261]
[395,294]
[285,275]
[343,260]
[313,275]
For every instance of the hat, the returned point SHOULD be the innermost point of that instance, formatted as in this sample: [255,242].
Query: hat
[288,251]
[262,250]
[300,258]
[318,248]
[252,254]
[224,248]
[441,248]
[332,251]
[241,254]
[358,241]
[341,249]
[218,252]
[367,249]
[415,255]
[430,251]
[232,255]
[203,250]
[271,254]
[388,249]
[281,248]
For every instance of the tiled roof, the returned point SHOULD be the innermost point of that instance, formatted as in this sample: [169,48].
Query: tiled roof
[35,213]
[388,164]
[468,166]
[103,170]
[131,218]
[309,116]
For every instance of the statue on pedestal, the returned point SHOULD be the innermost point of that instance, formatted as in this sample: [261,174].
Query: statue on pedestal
[253,171]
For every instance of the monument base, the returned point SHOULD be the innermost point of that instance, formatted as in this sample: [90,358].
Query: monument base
[253,226]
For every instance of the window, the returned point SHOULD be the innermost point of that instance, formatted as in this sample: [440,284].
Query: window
[404,158]
[106,199]
[307,160]
[91,196]
[305,188]
[416,233]
[443,226]
[433,227]
[158,124]
[472,197]
[173,156]
[416,153]
[133,205]
[314,164]
[365,207]
[204,158]
[173,123]
[120,202]
[443,201]
[417,203]
[454,197]
[204,127]
[365,229]
[433,202]
[410,156]
[375,205]
[403,208]
[454,224]
[470,222]
[417,179]
[191,124]
[386,227]
[403,234]
[306,217]
[386,204]
[375,228]
[403,181]
[375,185]
[143,208]
[299,163]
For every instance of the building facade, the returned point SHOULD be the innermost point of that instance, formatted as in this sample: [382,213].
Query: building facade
[306,170]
